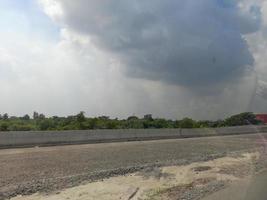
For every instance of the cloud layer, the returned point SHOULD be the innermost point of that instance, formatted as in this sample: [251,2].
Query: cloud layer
[188,43]
[203,59]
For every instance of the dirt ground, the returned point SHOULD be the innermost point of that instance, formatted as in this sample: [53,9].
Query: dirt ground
[155,183]
[51,169]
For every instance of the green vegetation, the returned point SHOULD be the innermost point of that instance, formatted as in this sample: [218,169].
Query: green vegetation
[81,122]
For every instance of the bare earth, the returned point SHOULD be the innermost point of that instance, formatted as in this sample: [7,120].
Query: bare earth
[150,183]
[152,170]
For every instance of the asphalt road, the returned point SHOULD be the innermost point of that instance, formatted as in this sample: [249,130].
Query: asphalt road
[253,188]
[25,171]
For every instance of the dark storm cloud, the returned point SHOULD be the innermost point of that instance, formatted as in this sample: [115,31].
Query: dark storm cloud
[182,42]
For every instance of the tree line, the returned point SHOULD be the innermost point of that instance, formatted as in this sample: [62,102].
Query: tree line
[39,122]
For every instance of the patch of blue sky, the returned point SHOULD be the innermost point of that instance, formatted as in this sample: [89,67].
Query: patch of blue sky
[227,3]
[25,17]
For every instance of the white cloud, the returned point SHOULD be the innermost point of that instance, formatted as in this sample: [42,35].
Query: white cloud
[77,73]
[52,8]
[264,12]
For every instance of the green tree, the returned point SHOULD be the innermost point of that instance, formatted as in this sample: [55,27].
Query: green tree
[92,123]
[26,117]
[132,118]
[161,123]
[246,118]
[112,124]
[35,115]
[46,124]
[80,117]
[187,123]
[148,117]
[41,116]
[5,116]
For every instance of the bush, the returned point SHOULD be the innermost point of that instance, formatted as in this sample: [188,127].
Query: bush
[4,127]
[187,123]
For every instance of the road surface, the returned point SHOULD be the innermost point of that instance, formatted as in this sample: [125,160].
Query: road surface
[25,171]
[253,188]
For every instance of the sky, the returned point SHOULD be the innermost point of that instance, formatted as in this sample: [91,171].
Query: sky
[203,59]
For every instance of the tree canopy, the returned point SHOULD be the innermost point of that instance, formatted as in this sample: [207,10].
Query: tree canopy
[80,122]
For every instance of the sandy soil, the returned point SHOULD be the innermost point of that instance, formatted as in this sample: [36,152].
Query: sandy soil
[50,169]
[152,183]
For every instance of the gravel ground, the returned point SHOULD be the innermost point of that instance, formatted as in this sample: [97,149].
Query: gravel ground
[189,191]
[26,171]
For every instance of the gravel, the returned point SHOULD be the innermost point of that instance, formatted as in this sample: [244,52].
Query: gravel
[198,193]
[192,191]
[27,171]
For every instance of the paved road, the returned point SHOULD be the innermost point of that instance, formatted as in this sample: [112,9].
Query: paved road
[24,171]
[253,188]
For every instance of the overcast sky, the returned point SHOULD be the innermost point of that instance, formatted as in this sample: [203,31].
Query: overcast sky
[204,59]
